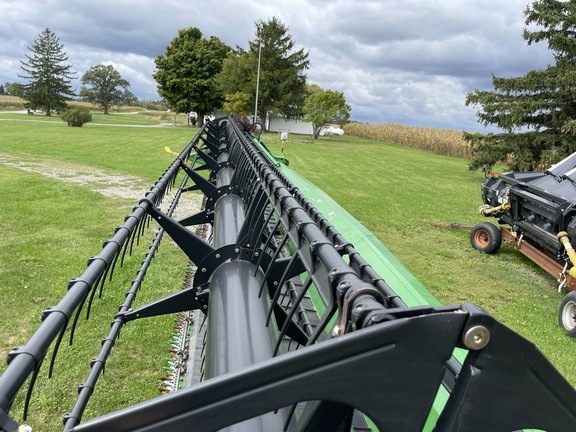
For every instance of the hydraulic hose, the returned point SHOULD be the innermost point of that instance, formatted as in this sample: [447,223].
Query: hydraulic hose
[489,211]
[565,240]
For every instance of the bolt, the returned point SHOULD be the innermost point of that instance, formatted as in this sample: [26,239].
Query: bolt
[203,270]
[237,250]
[476,338]
[217,256]
[256,254]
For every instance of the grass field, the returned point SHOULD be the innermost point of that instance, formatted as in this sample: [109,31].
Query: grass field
[50,227]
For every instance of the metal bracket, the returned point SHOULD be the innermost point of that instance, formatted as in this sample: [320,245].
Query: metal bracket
[192,245]
[205,186]
[185,300]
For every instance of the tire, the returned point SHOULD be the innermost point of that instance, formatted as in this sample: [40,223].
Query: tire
[567,314]
[486,237]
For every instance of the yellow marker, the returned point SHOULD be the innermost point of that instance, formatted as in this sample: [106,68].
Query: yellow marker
[169,151]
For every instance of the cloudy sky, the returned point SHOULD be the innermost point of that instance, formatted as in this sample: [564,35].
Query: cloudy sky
[404,61]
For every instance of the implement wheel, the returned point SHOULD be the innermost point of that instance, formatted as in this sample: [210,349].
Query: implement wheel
[486,237]
[567,314]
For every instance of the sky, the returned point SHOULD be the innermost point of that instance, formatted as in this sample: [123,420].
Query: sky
[410,62]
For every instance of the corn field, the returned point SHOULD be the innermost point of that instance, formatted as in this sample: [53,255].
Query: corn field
[11,103]
[444,142]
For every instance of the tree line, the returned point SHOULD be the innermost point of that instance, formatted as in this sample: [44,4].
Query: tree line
[195,74]
[200,75]
[49,76]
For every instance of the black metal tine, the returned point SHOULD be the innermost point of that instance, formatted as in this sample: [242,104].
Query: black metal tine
[55,351]
[284,295]
[79,311]
[142,228]
[256,204]
[31,388]
[126,243]
[93,291]
[114,261]
[322,324]
[289,417]
[135,237]
[264,225]
[258,237]
[272,261]
[253,214]
[283,278]
[102,281]
[307,284]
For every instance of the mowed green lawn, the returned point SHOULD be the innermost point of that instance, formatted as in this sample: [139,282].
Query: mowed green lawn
[48,229]
[394,191]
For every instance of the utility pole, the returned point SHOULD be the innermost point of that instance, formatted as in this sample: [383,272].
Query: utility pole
[258,80]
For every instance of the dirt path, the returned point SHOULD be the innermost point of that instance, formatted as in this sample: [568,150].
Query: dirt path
[109,184]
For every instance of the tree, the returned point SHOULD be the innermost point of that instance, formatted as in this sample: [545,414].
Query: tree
[237,104]
[2,91]
[186,74]
[324,107]
[103,86]
[536,111]
[282,84]
[48,74]
[14,89]
[129,98]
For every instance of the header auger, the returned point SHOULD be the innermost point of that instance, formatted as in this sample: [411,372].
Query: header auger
[300,331]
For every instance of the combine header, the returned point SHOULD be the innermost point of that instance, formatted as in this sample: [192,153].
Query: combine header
[299,332]
[537,212]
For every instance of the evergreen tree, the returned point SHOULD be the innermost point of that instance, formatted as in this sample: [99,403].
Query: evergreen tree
[186,74]
[537,111]
[48,76]
[282,84]
[2,91]
[103,86]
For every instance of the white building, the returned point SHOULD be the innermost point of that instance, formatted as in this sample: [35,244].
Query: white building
[276,122]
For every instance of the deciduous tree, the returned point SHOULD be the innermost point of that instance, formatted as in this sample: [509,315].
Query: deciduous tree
[129,98]
[282,84]
[103,86]
[48,74]
[14,89]
[186,73]
[325,107]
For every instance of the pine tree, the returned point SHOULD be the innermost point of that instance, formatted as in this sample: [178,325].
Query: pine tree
[282,84]
[537,112]
[48,74]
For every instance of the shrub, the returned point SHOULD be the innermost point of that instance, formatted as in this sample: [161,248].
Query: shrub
[77,116]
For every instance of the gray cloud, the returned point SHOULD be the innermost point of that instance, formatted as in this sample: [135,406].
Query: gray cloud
[407,61]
